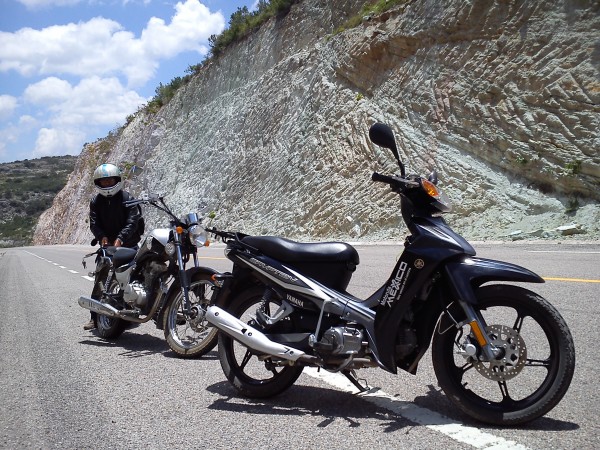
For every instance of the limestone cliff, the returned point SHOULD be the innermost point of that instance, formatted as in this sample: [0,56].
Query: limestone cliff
[501,97]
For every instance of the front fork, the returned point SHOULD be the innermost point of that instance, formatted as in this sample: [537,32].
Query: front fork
[489,351]
[185,285]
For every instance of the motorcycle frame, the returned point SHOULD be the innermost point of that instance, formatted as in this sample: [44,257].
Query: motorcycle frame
[436,269]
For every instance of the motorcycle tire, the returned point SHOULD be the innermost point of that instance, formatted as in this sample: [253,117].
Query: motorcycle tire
[110,327]
[190,337]
[531,375]
[251,374]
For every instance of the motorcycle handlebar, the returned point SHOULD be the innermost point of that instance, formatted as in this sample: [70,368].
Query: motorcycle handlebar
[146,199]
[222,234]
[380,178]
[395,182]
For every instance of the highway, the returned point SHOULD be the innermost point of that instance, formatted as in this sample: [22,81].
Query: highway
[63,387]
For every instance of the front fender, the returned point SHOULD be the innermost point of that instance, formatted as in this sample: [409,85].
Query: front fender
[190,275]
[175,287]
[470,273]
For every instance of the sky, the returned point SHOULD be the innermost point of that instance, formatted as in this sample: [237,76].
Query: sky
[73,70]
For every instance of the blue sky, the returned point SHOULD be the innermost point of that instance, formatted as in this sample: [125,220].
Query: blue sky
[72,70]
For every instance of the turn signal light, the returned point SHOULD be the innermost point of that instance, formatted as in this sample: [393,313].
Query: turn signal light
[179,230]
[430,188]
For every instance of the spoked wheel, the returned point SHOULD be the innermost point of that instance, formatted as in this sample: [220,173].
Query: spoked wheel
[190,336]
[255,375]
[532,372]
[110,327]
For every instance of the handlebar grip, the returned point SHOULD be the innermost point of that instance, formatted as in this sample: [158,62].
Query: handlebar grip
[377,177]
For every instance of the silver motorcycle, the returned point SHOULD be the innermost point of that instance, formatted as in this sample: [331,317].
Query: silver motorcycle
[156,282]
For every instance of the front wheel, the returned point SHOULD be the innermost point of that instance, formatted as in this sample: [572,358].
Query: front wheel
[110,327]
[255,375]
[190,336]
[532,372]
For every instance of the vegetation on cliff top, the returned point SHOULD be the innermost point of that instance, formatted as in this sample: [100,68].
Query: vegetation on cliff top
[27,188]
[241,24]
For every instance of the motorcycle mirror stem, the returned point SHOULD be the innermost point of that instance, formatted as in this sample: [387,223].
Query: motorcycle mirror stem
[382,135]
[433,177]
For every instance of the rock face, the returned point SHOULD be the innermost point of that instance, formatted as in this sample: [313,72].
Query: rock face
[502,98]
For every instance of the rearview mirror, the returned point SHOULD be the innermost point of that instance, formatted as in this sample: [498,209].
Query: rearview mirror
[382,135]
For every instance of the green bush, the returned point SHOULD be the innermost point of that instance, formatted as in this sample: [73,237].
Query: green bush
[244,22]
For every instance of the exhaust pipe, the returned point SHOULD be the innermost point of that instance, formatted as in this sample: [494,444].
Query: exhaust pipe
[251,337]
[98,307]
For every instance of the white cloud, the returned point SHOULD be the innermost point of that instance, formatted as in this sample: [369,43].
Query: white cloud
[99,101]
[8,104]
[48,91]
[53,141]
[69,113]
[190,28]
[94,100]
[101,47]
[36,4]
[27,122]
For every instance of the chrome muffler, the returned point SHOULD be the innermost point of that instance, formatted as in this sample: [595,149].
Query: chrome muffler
[98,307]
[251,337]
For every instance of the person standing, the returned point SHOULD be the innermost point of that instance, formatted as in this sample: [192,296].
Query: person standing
[111,222]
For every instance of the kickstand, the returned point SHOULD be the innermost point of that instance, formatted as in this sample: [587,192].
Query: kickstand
[351,375]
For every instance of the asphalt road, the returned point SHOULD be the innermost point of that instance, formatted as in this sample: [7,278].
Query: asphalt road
[62,387]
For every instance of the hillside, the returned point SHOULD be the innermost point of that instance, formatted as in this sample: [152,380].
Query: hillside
[27,188]
[501,97]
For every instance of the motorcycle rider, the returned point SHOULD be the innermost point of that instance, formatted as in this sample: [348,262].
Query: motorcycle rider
[111,222]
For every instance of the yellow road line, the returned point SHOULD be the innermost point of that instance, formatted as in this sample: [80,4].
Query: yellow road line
[577,280]
[212,257]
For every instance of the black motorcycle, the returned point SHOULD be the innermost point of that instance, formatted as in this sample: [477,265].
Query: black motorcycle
[154,283]
[500,352]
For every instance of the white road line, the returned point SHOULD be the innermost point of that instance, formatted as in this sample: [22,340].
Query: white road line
[56,264]
[559,251]
[87,278]
[423,416]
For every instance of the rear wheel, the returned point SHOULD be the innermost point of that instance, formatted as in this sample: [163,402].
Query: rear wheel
[528,378]
[254,375]
[110,327]
[190,336]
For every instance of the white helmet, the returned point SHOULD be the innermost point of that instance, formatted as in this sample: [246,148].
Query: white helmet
[107,179]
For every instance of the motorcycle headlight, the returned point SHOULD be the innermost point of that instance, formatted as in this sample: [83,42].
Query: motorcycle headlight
[197,235]
[192,218]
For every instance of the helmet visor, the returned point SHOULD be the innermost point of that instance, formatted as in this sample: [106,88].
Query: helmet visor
[107,182]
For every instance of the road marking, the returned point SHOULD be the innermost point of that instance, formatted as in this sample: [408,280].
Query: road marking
[423,416]
[87,278]
[62,267]
[73,271]
[563,251]
[576,280]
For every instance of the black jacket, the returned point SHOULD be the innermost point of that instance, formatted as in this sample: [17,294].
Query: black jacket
[110,218]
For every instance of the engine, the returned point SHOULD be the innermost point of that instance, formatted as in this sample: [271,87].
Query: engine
[134,294]
[340,341]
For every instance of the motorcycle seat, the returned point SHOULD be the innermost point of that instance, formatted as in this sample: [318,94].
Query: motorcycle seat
[286,250]
[123,255]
